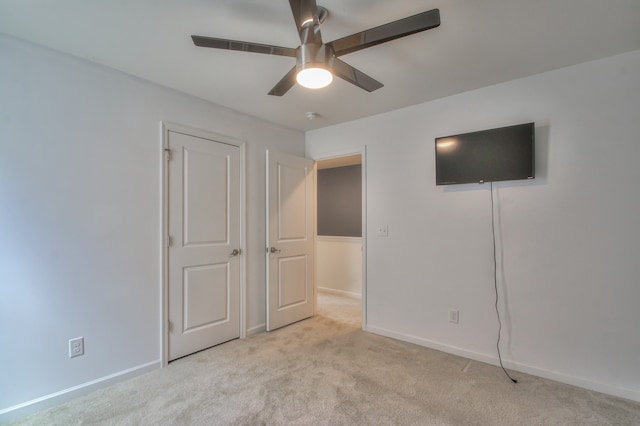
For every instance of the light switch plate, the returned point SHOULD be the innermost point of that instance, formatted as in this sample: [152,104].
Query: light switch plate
[454,316]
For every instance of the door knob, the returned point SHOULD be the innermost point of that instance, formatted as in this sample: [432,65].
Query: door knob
[274,250]
[234,253]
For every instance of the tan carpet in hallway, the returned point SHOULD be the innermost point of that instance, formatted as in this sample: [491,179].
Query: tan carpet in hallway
[326,371]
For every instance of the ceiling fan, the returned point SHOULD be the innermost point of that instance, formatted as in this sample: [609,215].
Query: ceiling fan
[318,62]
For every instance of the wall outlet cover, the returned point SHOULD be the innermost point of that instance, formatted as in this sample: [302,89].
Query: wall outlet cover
[76,347]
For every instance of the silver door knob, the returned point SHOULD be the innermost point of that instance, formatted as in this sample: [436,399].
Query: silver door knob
[274,250]
[234,253]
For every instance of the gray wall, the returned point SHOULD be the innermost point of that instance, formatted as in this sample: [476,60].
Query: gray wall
[340,201]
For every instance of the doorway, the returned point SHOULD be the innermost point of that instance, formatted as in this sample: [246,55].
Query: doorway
[341,236]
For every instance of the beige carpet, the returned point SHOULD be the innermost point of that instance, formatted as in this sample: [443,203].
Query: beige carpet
[326,371]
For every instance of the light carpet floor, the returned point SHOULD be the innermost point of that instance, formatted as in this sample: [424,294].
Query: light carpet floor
[326,371]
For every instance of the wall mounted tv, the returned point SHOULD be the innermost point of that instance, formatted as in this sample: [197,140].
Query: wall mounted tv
[506,153]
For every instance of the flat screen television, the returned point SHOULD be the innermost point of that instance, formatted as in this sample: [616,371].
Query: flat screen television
[506,153]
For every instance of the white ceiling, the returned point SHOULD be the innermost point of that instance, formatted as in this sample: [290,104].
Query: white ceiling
[480,42]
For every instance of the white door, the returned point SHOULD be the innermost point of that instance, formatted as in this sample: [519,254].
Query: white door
[204,244]
[290,245]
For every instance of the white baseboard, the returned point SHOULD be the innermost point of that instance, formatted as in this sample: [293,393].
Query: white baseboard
[57,398]
[340,292]
[257,330]
[630,394]
[338,239]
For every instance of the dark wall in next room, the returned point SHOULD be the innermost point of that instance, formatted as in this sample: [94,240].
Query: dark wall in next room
[340,201]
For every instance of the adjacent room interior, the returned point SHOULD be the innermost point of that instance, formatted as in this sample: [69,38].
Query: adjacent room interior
[339,252]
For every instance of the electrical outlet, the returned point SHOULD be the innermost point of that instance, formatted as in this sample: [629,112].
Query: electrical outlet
[76,347]
[383,230]
[453,316]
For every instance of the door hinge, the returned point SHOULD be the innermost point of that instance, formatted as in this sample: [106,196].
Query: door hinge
[167,154]
[169,240]
[170,327]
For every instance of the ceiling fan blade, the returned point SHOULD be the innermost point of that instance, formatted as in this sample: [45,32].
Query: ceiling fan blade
[305,13]
[387,32]
[354,76]
[286,83]
[243,46]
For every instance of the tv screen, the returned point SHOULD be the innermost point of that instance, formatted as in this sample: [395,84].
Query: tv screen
[491,155]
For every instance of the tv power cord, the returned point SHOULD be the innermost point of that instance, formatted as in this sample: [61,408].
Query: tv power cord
[495,284]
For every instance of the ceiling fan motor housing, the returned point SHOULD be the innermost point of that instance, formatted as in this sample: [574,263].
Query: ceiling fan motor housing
[313,56]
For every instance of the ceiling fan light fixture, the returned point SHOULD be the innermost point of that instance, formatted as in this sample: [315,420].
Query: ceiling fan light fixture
[314,77]
[317,61]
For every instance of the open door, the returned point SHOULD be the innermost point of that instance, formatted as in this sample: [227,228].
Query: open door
[290,241]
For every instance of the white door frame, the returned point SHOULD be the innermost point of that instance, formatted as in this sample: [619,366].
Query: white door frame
[363,156]
[166,127]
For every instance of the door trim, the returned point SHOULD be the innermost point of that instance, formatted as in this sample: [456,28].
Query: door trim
[363,156]
[165,128]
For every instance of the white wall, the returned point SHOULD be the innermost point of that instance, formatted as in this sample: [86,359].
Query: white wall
[80,188]
[339,265]
[569,242]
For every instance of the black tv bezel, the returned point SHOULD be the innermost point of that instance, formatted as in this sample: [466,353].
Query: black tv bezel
[487,133]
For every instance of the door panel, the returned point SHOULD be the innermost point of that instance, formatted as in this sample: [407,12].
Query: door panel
[205,211]
[290,229]
[204,225]
[206,296]
[293,270]
[291,203]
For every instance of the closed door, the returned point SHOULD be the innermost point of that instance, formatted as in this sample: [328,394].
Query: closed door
[290,245]
[204,244]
